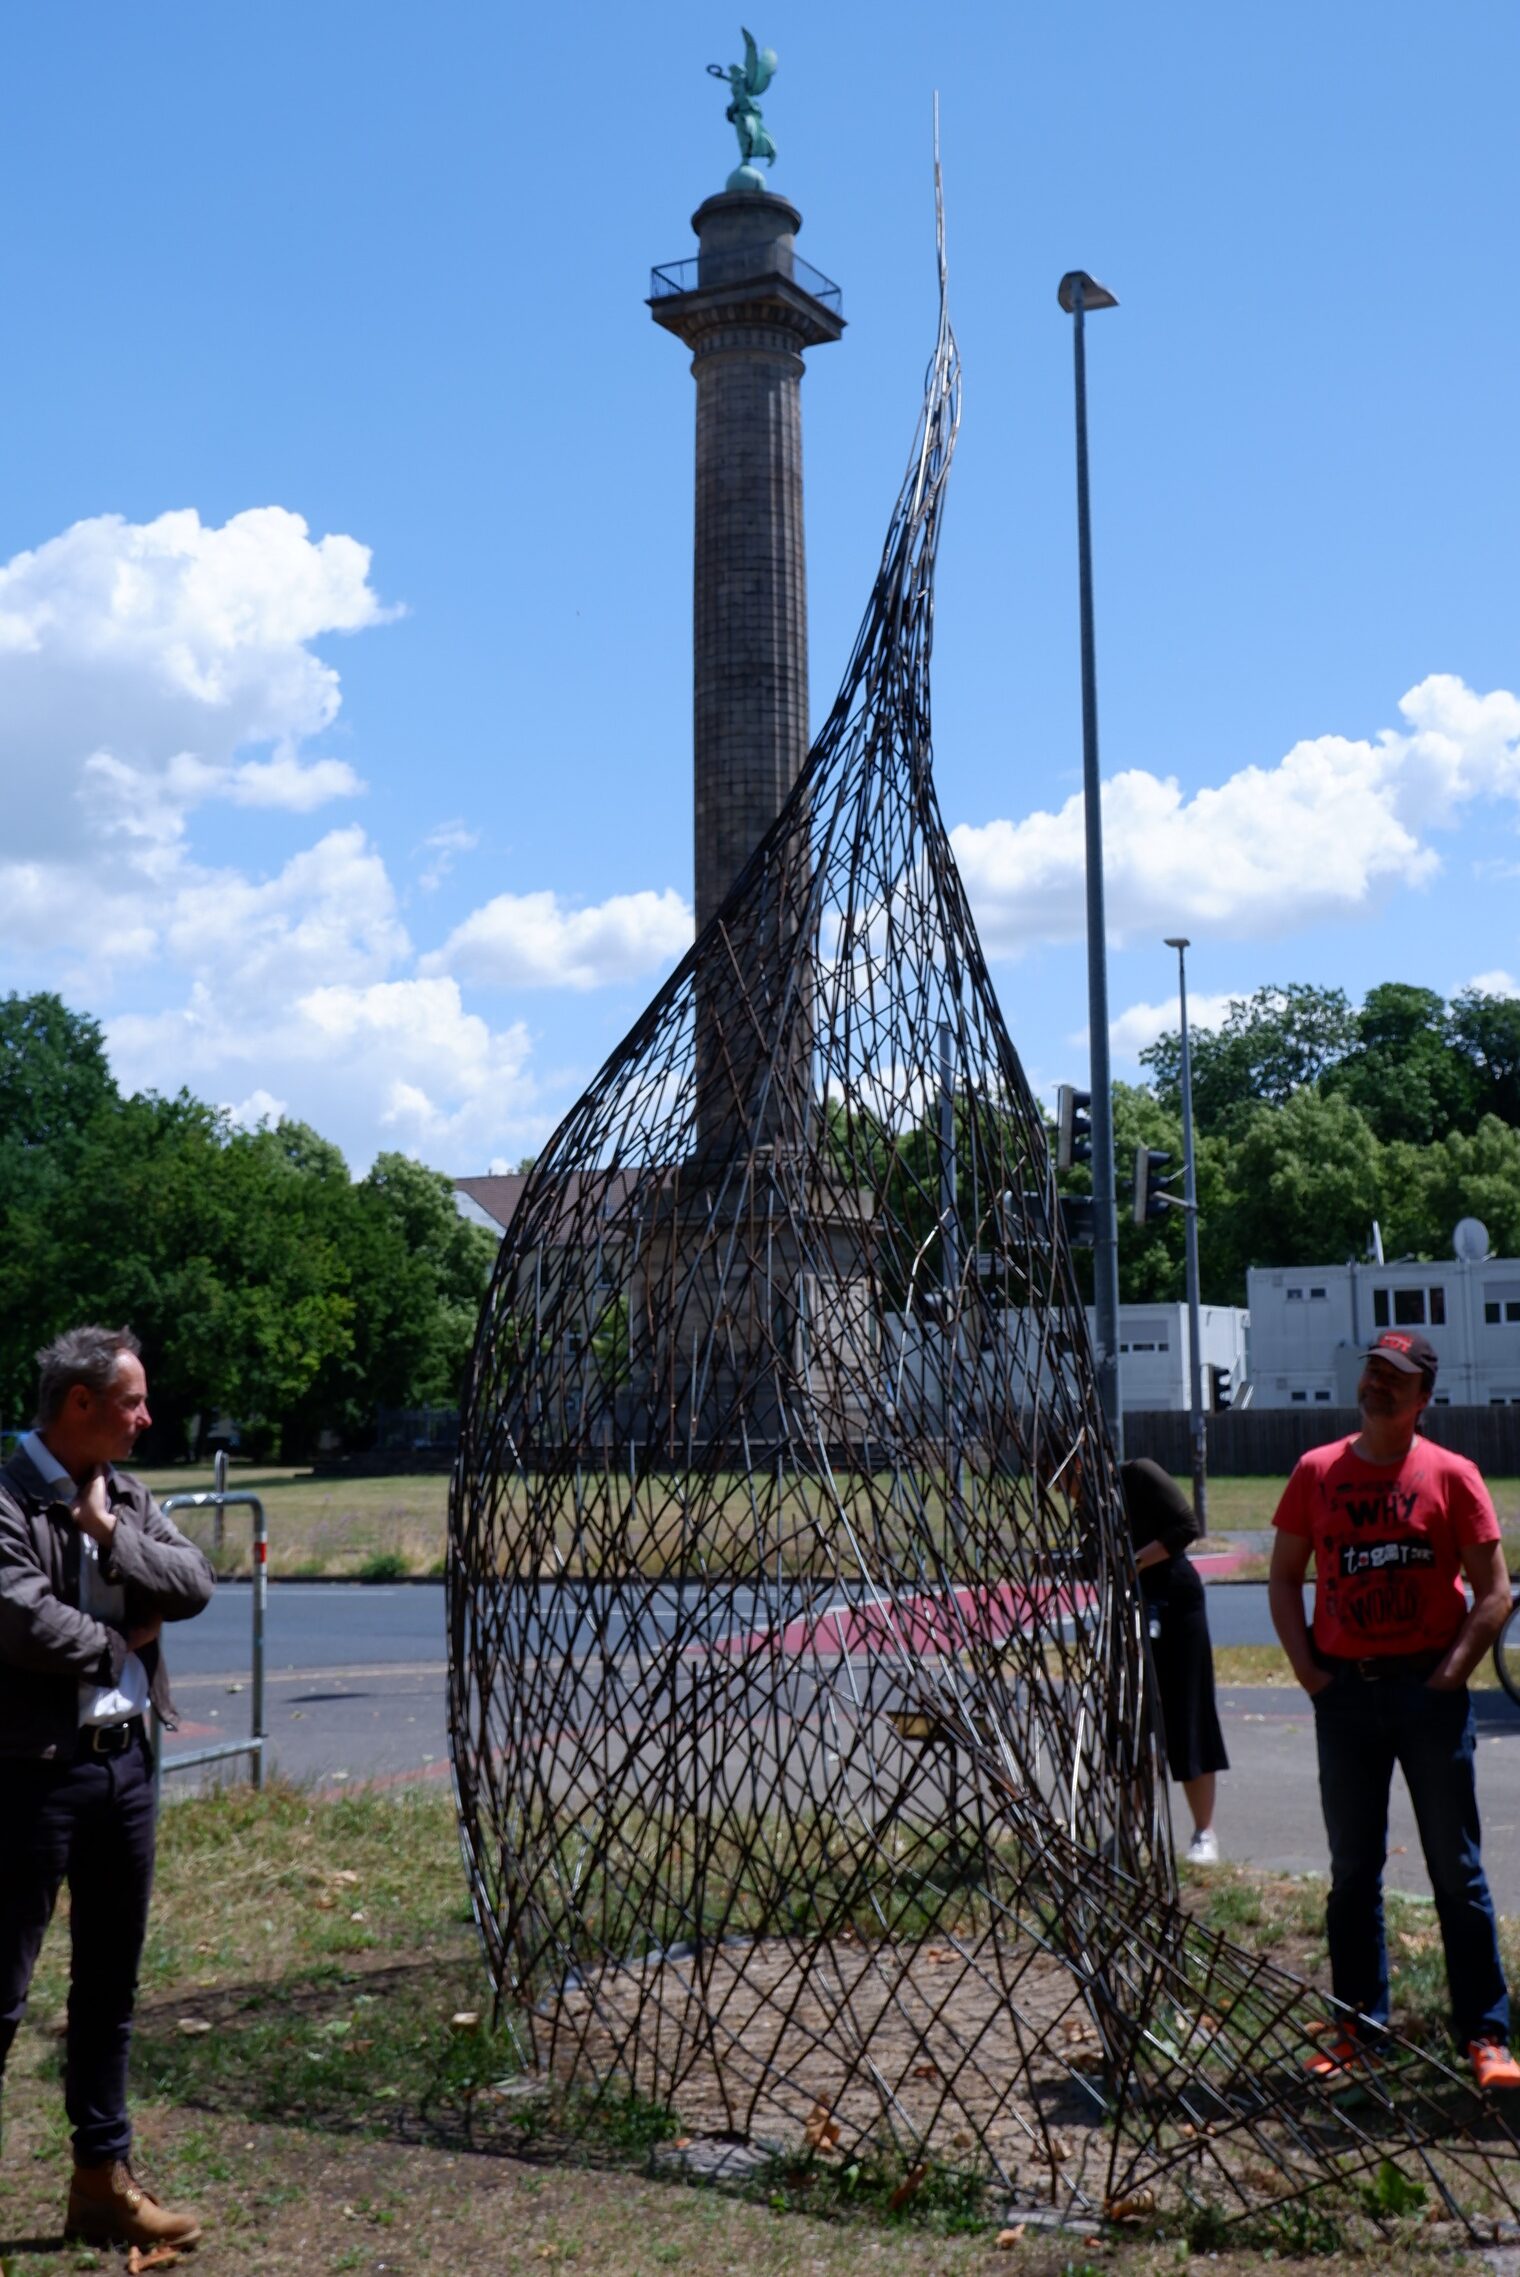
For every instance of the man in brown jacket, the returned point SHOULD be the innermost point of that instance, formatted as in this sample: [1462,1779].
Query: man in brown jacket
[90,1569]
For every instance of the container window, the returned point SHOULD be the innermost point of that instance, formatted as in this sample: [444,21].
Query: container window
[1380,1308]
[1409,1308]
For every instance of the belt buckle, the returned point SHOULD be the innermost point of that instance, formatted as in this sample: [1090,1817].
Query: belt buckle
[109,1739]
[1367,1670]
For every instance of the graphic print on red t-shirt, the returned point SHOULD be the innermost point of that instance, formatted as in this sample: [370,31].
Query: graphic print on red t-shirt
[1388,1541]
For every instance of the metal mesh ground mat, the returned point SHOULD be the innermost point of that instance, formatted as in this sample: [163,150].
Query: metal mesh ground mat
[800,1722]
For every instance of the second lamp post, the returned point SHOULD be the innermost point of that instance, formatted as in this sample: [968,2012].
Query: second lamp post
[1077,293]
[1196,1425]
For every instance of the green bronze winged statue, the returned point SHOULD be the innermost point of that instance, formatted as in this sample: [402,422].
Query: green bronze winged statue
[747,81]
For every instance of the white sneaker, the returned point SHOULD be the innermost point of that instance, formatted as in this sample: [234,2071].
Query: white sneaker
[1203,1850]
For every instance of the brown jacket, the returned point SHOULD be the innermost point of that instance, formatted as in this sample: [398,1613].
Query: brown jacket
[47,1645]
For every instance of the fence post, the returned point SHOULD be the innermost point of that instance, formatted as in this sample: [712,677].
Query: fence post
[218,1501]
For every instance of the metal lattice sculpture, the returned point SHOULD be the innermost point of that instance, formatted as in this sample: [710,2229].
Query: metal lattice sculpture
[803,1744]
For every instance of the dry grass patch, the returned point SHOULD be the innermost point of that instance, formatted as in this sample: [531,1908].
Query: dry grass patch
[300,2078]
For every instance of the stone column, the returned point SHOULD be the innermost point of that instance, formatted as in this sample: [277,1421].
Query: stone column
[747,309]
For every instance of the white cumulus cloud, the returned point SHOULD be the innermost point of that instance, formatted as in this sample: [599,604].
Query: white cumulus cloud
[1140,1024]
[1266,852]
[1497,983]
[534,940]
[142,665]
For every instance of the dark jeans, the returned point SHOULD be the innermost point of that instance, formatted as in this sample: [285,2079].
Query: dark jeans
[92,1820]
[1363,1729]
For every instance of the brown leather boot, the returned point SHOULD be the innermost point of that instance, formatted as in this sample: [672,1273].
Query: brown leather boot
[108,2206]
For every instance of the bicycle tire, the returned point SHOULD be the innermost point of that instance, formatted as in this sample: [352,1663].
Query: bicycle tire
[1507,1653]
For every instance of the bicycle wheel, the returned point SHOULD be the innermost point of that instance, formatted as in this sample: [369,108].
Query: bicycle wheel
[1507,1654]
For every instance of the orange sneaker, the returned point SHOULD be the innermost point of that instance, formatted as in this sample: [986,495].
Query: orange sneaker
[1493,2065]
[1337,2059]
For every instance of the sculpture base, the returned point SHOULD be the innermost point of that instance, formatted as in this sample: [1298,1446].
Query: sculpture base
[745,178]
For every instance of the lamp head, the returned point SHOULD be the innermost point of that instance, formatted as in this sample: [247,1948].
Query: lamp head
[1094,295]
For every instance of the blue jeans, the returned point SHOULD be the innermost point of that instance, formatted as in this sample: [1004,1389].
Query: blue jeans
[1363,1729]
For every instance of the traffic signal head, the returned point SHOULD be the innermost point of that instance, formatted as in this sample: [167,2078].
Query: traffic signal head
[1073,1126]
[1077,1220]
[1151,1197]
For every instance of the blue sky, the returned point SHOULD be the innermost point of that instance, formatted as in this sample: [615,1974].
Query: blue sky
[344,638]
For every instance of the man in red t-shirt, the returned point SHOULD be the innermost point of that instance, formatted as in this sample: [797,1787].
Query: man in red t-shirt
[1395,1524]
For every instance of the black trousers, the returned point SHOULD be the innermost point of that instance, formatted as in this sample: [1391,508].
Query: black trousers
[91,1821]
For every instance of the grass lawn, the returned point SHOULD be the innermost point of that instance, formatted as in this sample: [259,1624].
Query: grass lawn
[382,1529]
[299,2077]
[364,1528]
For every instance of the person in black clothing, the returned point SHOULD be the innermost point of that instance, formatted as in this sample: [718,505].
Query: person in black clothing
[90,1571]
[1161,1525]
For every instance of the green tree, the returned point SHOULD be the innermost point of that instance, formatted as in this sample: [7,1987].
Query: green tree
[1302,1184]
[1486,1030]
[261,1278]
[1467,1174]
[54,1074]
[1405,1071]
[1271,1045]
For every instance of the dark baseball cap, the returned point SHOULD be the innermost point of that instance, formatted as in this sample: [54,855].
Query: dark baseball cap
[1405,1349]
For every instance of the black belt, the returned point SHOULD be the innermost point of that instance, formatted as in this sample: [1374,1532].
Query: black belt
[1383,1665]
[107,1739]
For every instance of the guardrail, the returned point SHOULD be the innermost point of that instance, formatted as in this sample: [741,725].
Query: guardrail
[220,1501]
[743,265]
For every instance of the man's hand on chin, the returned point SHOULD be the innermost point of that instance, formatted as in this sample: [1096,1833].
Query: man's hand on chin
[91,1512]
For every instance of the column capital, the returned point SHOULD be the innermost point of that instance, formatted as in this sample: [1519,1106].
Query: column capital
[747,274]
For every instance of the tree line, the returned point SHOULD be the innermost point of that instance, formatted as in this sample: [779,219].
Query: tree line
[1313,1118]
[264,1281]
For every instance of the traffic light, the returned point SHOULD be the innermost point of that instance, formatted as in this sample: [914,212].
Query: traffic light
[1224,1390]
[1077,1220]
[1151,1198]
[1073,1126]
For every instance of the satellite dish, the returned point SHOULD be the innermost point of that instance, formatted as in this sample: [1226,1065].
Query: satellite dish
[1469,1240]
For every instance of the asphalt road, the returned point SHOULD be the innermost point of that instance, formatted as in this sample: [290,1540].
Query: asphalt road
[355,1680]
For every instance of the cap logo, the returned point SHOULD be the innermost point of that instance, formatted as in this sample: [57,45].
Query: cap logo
[1396,1342]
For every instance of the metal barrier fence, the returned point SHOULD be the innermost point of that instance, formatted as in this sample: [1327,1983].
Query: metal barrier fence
[220,1501]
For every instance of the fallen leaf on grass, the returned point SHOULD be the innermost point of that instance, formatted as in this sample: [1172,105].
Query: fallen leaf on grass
[1006,2240]
[909,2187]
[1059,2150]
[820,2128]
[193,2026]
[324,1901]
[1130,2209]
[926,2071]
[465,2020]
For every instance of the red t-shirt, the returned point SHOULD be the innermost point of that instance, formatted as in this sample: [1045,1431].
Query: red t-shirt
[1388,1541]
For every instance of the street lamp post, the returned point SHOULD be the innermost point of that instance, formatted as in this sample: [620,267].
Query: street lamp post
[1197,1426]
[1078,292]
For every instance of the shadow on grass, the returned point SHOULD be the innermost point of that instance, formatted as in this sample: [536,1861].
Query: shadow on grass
[375,2052]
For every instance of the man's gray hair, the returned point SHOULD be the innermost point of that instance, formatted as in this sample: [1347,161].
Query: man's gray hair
[89,1356]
